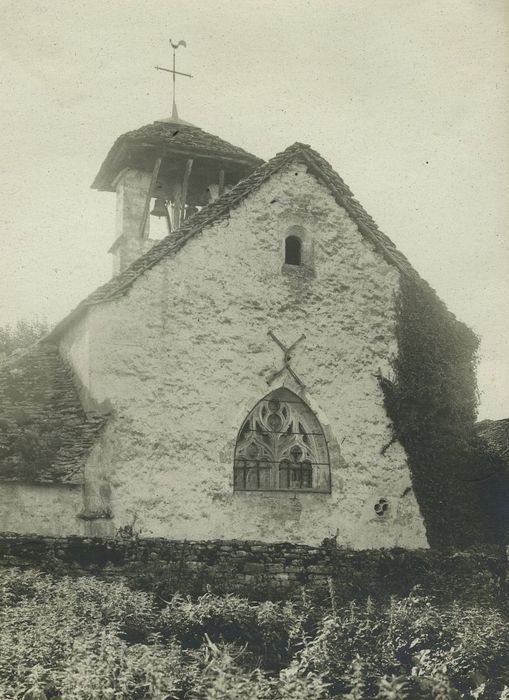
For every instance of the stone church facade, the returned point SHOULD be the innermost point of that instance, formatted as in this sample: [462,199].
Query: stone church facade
[225,383]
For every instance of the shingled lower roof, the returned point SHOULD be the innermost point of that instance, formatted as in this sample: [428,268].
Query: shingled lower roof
[219,209]
[495,434]
[168,138]
[45,435]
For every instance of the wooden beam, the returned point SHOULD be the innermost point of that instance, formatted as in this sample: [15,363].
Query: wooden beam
[153,180]
[177,206]
[221,182]
[168,220]
[185,182]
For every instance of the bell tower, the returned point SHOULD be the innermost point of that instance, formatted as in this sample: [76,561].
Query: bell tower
[168,169]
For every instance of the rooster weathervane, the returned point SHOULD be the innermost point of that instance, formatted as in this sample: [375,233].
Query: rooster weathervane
[174,112]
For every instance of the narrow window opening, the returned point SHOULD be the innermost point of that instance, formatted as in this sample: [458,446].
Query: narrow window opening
[292,250]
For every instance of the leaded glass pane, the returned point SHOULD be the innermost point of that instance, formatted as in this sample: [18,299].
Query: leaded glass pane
[307,475]
[265,475]
[284,475]
[252,476]
[239,476]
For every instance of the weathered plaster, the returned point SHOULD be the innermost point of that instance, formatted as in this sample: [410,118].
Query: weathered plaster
[185,355]
[42,509]
[132,188]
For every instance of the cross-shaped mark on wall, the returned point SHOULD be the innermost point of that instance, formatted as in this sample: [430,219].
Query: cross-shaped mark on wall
[286,359]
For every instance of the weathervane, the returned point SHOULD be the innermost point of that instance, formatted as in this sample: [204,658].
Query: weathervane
[174,113]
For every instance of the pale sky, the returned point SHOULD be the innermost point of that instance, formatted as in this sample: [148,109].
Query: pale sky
[407,99]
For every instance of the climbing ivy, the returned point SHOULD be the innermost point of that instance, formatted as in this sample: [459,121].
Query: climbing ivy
[432,401]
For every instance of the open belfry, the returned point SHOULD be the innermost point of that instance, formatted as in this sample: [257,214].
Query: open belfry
[170,169]
[266,371]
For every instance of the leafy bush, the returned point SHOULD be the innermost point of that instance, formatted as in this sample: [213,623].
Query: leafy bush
[86,639]
[24,334]
[104,666]
[266,628]
[417,641]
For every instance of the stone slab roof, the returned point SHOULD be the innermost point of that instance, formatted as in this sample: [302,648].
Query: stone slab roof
[219,209]
[495,434]
[45,435]
[167,137]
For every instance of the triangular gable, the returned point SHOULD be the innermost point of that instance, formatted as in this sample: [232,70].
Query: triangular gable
[220,208]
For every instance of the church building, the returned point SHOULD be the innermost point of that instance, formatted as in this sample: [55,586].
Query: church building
[230,380]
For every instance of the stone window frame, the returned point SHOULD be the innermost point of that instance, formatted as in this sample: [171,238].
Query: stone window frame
[305,268]
[321,469]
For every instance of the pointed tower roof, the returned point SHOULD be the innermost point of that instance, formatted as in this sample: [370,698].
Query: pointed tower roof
[174,137]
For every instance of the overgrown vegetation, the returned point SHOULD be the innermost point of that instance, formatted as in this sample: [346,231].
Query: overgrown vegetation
[25,447]
[31,427]
[84,639]
[432,401]
[22,335]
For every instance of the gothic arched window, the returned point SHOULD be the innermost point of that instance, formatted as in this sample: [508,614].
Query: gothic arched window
[281,446]
[292,250]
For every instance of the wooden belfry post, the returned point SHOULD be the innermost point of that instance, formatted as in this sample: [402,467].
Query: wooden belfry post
[153,180]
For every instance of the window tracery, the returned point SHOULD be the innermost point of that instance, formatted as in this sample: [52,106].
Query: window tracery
[281,446]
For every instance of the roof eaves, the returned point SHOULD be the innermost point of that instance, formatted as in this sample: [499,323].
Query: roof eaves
[193,140]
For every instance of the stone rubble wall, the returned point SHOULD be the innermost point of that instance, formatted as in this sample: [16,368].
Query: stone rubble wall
[268,569]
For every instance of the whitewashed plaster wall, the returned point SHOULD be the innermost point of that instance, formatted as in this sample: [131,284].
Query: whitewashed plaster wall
[185,355]
[40,508]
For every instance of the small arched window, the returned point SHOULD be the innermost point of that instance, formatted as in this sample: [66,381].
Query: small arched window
[292,250]
[281,446]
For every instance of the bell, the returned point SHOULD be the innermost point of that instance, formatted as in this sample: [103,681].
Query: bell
[159,207]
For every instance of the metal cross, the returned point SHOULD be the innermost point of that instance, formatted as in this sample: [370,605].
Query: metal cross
[174,112]
[286,359]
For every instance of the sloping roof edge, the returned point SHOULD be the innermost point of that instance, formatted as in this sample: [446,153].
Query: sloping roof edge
[220,208]
[169,137]
[46,434]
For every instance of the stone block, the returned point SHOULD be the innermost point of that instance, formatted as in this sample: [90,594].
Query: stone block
[275,568]
[254,568]
[318,569]
[281,577]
